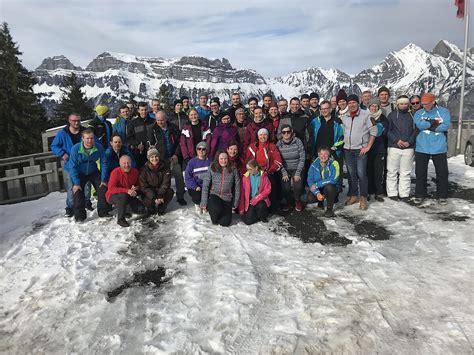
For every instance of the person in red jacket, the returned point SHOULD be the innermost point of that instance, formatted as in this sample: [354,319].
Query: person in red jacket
[259,121]
[269,159]
[254,201]
[123,189]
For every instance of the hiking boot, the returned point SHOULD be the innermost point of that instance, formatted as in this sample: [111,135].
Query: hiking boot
[182,201]
[329,213]
[104,215]
[405,199]
[352,200]
[287,207]
[69,212]
[442,201]
[298,206]
[123,223]
[364,204]
[378,198]
[394,198]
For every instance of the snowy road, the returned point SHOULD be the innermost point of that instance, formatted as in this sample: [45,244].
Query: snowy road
[68,288]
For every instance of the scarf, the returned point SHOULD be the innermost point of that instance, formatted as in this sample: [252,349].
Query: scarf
[376,115]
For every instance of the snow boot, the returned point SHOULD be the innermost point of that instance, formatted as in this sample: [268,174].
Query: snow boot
[364,204]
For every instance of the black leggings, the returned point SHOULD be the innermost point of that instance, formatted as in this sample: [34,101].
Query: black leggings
[220,210]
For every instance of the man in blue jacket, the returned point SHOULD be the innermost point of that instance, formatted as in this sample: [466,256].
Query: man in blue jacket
[121,123]
[114,152]
[61,147]
[323,176]
[83,169]
[433,122]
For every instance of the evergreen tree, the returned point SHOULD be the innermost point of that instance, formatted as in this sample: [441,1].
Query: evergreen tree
[72,100]
[165,95]
[22,118]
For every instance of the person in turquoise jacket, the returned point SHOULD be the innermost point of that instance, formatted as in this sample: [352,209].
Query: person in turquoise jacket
[323,177]
[83,168]
[433,122]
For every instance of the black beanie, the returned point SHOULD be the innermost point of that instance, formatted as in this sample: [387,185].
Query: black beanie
[314,95]
[216,100]
[177,101]
[341,95]
[353,97]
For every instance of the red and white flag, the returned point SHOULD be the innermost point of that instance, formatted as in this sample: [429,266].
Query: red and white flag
[460,5]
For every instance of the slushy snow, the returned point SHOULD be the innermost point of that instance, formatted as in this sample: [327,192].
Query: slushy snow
[242,289]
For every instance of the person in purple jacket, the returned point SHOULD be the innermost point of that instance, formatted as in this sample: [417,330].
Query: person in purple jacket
[223,134]
[195,170]
[193,132]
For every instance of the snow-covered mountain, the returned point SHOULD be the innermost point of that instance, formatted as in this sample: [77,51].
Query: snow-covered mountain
[112,77]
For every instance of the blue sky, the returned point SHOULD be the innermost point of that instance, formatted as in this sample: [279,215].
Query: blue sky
[272,37]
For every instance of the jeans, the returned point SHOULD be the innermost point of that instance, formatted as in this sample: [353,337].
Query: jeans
[357,169]
[440,162]
[69,194]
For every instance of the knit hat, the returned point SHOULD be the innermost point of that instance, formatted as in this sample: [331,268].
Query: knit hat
[101,110]
[203,94]
[177,101]
[341,95]
[261,131]
[239,110]
[427,98]
[403,99]
[152,151]
[374,101]
[201,145]
[382,89]
[314,95]
[184,98]
[216,100]
[353,97]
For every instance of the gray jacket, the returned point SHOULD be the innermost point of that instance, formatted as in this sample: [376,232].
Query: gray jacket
[222,184]
[293,155]
[358,130]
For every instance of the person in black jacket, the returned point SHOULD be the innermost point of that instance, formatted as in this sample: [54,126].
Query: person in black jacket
[165,137]
[178,117]
[137,134]
[101,127]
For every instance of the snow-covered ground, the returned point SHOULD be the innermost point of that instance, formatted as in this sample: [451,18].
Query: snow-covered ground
[68,288]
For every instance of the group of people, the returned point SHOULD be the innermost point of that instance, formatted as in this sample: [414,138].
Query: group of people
[254,160]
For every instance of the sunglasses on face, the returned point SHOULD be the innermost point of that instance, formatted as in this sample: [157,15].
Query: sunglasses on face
[415,103]
[285,132]
[202,149]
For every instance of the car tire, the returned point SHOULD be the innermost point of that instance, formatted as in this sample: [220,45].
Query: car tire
[468,157]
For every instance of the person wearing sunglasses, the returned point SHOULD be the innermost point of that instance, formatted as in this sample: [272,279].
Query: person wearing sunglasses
[415,103]
[193,175]
[293,154]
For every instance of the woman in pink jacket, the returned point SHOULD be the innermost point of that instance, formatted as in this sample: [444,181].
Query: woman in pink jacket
[254,201]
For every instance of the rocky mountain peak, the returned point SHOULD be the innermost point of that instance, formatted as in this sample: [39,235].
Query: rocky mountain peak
[447,50]
[223,64]
[57,62]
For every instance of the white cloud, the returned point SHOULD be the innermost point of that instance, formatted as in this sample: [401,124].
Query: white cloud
[272,37]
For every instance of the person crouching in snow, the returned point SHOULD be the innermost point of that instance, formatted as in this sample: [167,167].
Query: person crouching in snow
[323,176]
[194,173]
[123,189]
[221,190]
[254,201]
[155,182]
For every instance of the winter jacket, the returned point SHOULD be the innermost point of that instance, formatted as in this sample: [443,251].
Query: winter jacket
[432,136]
[380,143]
[299,122]
[102,130]
[401,126]
[358,130]
[323,176]
[231,111]
[241,131]
[224,184]
[195,170]
[214,120]
[155,183]
[338,140]
[120,182]
[120,127]
[112,159]
[157,137]
[186,140]
[137,132]
[251,132]
[272,154]
[62,144]
[203,112]
[178,119]
[293,155]
[82,163]
[222,136]
[263,192]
